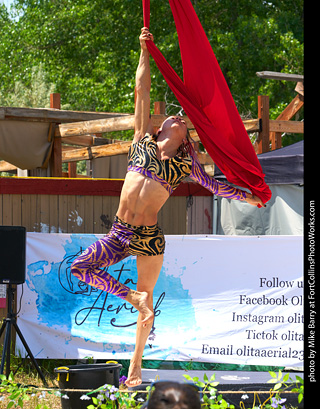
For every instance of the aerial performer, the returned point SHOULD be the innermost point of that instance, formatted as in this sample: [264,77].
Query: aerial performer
[157,164]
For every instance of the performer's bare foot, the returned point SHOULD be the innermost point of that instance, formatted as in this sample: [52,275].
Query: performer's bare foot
[134,375]
[140,301]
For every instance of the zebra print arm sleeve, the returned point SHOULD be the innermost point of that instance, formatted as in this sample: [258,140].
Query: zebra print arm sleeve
[216,187]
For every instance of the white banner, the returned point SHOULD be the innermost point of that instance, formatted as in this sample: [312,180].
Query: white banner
[227,299]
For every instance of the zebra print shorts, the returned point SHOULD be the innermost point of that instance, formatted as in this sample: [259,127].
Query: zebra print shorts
[138,240]
[122,241]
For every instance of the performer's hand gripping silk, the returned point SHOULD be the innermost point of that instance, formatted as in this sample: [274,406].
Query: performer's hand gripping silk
[157,164]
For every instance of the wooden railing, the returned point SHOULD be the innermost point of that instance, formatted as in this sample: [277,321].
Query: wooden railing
[77,135]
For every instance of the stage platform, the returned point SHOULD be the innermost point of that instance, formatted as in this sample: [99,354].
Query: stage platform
[234,385]
[223,377]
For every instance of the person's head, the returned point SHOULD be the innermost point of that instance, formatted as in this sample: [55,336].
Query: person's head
[176,128]
[174,395]
[176,125]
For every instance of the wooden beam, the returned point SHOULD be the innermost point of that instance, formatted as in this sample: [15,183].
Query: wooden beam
[93,152]
[52,115]
[85,140]
[125,123]
[252,125]
[290,110]
[271,75]
[95,126]
[74,155]
[300,88]
[295,105]
[107,125]
[81,140]
[286,126]
[6,166]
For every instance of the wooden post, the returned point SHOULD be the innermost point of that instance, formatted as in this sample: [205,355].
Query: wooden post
[55,101]
[56,157]
[159,108]
[72,169]
[295,105]
[263,114]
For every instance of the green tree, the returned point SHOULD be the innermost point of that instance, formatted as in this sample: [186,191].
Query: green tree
[90,50]
[37,95]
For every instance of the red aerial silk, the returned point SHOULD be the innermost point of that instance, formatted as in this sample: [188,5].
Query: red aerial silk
[207,101]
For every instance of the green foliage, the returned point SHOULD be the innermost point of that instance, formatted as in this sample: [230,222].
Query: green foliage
[211,398]
[284,383]
[89,50]
[35,95]
[18,393]
[214,400]
[110,397]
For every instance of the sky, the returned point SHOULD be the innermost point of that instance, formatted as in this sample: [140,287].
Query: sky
[6,2]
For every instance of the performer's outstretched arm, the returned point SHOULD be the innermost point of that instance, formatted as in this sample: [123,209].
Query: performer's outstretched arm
[221,189]
[143,86]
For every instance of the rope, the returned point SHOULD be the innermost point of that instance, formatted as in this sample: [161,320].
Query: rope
[145,391]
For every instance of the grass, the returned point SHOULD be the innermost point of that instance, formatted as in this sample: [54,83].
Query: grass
[26,376]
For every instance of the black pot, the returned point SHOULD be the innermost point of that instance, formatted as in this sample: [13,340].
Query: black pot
[90,376]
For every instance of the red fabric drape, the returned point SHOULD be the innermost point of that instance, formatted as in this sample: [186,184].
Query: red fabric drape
[207,101]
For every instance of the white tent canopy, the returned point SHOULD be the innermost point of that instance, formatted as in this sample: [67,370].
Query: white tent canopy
[283,215]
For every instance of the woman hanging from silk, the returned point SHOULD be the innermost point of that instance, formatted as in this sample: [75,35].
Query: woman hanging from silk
[156,166]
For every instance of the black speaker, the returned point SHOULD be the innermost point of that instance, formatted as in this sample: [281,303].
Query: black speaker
[12,254]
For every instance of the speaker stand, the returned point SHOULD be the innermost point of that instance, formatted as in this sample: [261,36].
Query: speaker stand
[8,322]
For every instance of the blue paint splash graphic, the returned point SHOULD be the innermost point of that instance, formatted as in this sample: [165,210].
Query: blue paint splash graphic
[85,312]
